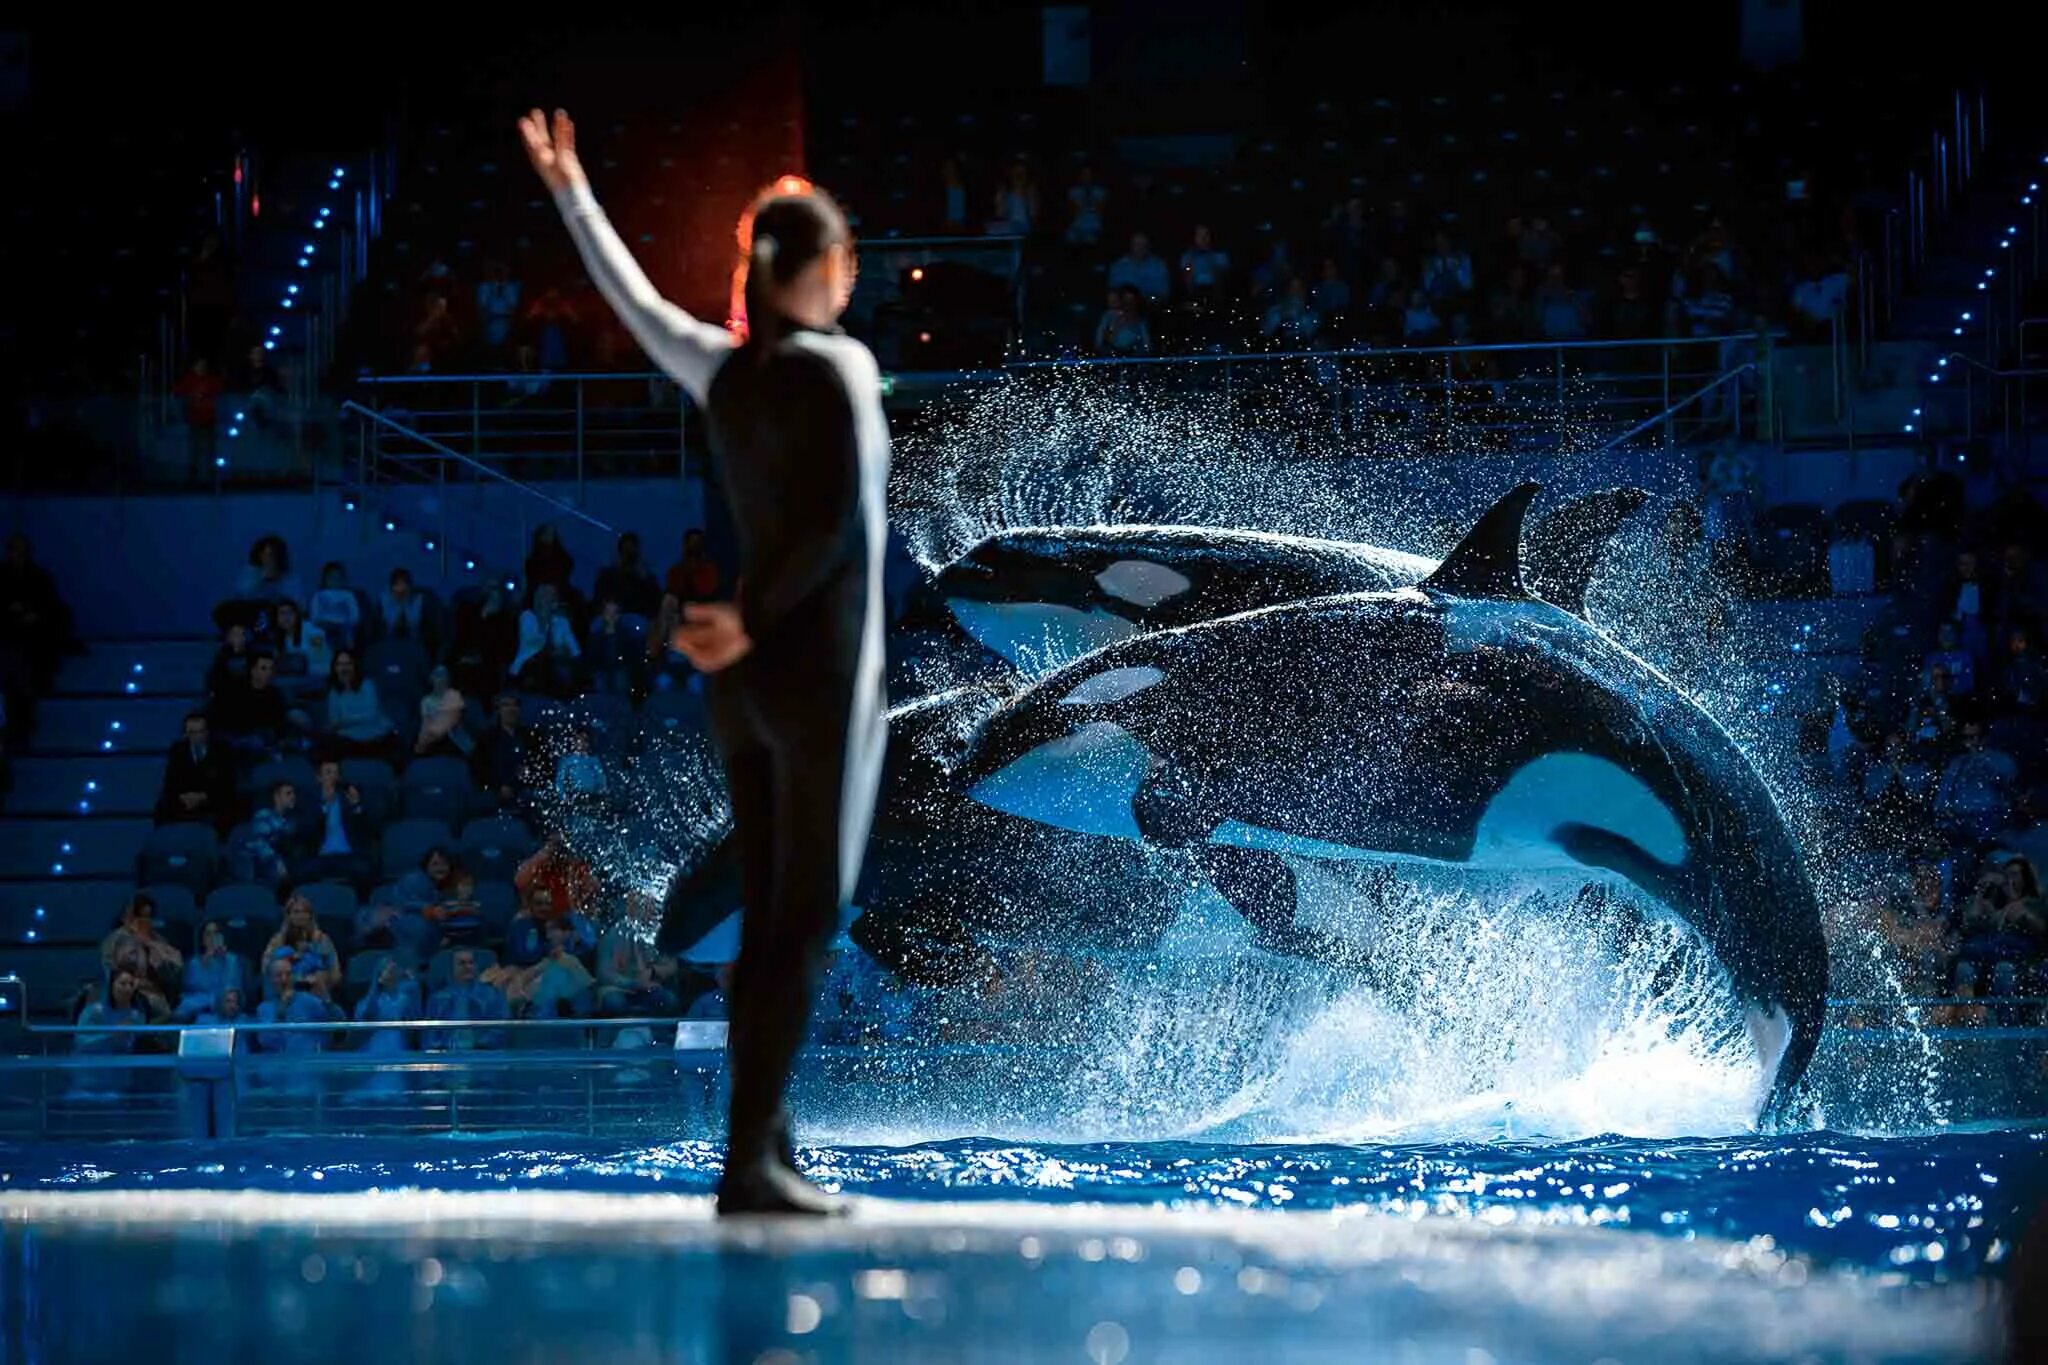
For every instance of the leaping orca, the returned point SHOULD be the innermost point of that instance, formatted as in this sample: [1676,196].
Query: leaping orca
[1044,595]
[1459,721]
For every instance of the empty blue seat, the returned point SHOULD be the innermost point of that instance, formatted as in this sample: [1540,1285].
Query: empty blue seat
[248,915]
[437,789]
[186,854]
[398,667]
[499,902]
[368,774]
[493,849]
[175,903]
[332,901]
[295,770]
[675,711]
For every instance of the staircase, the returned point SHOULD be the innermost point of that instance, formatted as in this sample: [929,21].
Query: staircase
[82,799]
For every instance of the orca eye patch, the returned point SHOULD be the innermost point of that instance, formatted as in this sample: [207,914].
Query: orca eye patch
[1141,582]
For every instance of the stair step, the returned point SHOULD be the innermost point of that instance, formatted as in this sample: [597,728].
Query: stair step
[138,668]
[123,784]
[86,725]
[82,847]
[74,910]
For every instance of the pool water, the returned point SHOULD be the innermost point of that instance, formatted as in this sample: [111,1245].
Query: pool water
[1818,1246]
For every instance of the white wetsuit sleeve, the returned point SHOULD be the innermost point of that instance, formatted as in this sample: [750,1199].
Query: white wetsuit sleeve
[687,349]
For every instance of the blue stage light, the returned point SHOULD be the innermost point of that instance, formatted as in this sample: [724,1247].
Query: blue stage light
[233,432]
[390,525]
[220,462]
[339,172]
[469,564]
[269,345]
[291,289]
[1966,317]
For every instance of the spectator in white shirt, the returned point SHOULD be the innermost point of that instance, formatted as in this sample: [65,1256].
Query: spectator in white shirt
[1122,330]
[1203,267]
[1141,270]
[546,661]
[1085,203]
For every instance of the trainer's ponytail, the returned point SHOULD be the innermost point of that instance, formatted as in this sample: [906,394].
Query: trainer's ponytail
[789,226]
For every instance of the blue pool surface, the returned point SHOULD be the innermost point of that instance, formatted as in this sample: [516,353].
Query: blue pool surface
[1818,1246]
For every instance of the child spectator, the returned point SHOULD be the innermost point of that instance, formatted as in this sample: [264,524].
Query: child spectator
[300,646]
[355,715]
[269,847]
[1122,329]
[405,612]
[230,666]
[579,775]
[441,709]
[560,983]
[304,945]
[1949,654]
[335,610]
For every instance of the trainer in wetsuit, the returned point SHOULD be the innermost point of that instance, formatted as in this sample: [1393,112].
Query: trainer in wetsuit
[802,451]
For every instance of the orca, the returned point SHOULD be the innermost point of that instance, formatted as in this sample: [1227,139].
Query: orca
[1458,721]
[1039,596]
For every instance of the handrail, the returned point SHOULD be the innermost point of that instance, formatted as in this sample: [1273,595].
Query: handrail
[1672,411]
[1993,370]
[350,405]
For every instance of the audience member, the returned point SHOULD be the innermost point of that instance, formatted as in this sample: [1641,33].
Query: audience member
[135,946]
[335,610]
[209,974]
[199,779]
[406,616]
[1015,211]
[251,717]
[356,722]
[441,709]
[526,938]
[269,848]
[1976,786]
[1204,268]
[394,997]
[632,979]
[504,754]
[628,581]
[486,638]
[339,834]
[1141,270]
[548,653]
[616,650]
[465,999]
[1123,330]
[694,577]
[301,942]
[548,563]
[300,646]
[1087,200]
[268,576]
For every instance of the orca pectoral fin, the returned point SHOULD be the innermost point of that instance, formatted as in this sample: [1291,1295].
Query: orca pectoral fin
[1261,887]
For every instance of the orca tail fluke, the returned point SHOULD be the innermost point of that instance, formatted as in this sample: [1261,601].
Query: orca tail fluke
[1488,561]
[1564,550]
[700,899]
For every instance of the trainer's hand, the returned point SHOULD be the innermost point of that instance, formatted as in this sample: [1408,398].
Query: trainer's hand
[553,153]
[712,636]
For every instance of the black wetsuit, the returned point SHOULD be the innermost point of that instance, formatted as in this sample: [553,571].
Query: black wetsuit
[803,451]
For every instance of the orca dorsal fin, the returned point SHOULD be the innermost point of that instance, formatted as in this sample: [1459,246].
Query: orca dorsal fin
[1488,561]
[1565,549]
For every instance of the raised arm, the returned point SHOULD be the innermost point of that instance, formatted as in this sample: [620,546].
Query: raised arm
[687,349]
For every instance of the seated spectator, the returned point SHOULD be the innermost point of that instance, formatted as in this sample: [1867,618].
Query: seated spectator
[211,974]
[466,998]
[199,780]
[252,717]
[579,773]
[548,652]
[135,946]
[1631,314]
[405,923]
[2005,922]
[1015,210]
[1560,310]
[486,638]
[1290,323]
[356,723]
[1141,270]
[557,985]
[1948,654]
[1331,296]
[1420,325]
[1976,787]
[300,646]
[497,305]
[631,978]
[1122,329]
[548,563]
[441,709]
[335,839]
[1896,787]
[2023,682]
[290,999]
[230,666]
[2027,835]
[1708,308]
[526,938]
[716,1002]
[1931,723]
[335,610]
[694,577]
[628,581]
[1917,929]
[225,1010]
[1969,603]
[458,914]
[1268,280]
[121,1008]
[393,997]
[1447,274]
[1538,244]
[270,848]
[1086,201]
[268,576]
[616,649]
[405,613]
[504,755]
[1204,268]
[304,945]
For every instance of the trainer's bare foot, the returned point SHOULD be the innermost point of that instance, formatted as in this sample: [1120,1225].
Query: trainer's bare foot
[768,1187]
